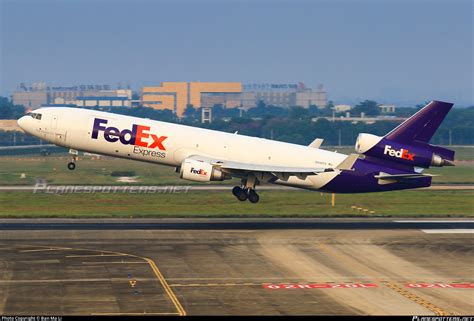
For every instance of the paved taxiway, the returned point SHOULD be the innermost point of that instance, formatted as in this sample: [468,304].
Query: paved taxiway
[176,269]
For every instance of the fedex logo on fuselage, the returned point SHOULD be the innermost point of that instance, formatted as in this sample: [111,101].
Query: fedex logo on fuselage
[139,135]
[198,171]
[401,153]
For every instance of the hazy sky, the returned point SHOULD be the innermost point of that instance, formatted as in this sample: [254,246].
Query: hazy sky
[391,51]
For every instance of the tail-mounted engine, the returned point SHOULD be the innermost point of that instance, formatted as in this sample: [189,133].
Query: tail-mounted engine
[419,154]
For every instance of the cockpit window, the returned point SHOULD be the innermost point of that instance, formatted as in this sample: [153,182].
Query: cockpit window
[34,115]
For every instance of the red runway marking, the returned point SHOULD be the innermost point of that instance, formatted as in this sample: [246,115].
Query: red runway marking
[441,285]
[319,286]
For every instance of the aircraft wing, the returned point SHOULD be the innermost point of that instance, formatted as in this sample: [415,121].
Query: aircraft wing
[230,165]
[25,147]
[278,171]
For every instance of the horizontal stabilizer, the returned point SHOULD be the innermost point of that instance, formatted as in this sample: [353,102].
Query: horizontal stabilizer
[414,175]
[385,178]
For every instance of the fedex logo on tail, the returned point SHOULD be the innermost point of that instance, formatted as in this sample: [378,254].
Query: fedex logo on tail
[401,153]
[139,135]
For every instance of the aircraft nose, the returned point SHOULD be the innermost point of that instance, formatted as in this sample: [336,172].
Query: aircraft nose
[21,121]
[24,122]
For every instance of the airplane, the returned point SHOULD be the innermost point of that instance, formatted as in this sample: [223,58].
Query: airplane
[393,162]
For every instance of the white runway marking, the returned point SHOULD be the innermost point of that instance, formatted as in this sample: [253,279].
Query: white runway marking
[450,231]
[435,221]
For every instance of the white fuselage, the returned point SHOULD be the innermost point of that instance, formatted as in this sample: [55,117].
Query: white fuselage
[73,128]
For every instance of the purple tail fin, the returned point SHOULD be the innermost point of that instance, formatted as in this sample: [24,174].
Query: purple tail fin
[421,126]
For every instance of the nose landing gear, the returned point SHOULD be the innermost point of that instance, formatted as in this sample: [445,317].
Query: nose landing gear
[247,190]
[72,164]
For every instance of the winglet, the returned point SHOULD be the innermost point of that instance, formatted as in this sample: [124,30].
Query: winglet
[347,163]
[316,143]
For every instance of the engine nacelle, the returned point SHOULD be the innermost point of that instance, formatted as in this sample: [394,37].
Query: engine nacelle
[365,142]
[415,153]
[200,171]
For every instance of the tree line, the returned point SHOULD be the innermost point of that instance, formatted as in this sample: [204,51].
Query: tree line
[294,125]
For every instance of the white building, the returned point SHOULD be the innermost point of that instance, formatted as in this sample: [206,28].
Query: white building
[91,101]
[342,108]
[387,109]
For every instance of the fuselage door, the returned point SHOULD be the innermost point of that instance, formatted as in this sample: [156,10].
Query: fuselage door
[54,122]
[58,132]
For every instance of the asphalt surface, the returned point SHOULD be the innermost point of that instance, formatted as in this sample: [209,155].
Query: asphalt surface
[242,271]
[231,224]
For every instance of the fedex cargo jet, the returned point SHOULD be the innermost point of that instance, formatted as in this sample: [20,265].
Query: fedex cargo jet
[393,162]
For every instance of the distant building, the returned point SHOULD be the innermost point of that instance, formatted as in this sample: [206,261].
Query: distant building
[387,109]
[342,108]
[248,100]
[30,99]
[309,98]
[206,115]
[227,100]
[40,94]
[283,95]
[91,101]
[176,96]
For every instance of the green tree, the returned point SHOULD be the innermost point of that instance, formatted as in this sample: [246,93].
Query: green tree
[191,114]
[298,113]
[10,111]
[368,107]
[261,104]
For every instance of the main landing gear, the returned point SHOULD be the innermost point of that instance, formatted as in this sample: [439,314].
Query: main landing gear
[247,190]
[72,164]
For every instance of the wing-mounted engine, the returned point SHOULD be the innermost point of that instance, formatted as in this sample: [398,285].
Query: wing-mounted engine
[201,171]
[414,153]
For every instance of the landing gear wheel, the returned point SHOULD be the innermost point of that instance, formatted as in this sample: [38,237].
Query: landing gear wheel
[72,164]
[253,196]
[236,191]
[242,195]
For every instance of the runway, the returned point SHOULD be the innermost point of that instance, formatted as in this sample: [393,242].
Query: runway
[264,267]
[233,224]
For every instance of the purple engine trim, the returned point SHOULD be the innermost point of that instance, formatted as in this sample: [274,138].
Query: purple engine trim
[362,180]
